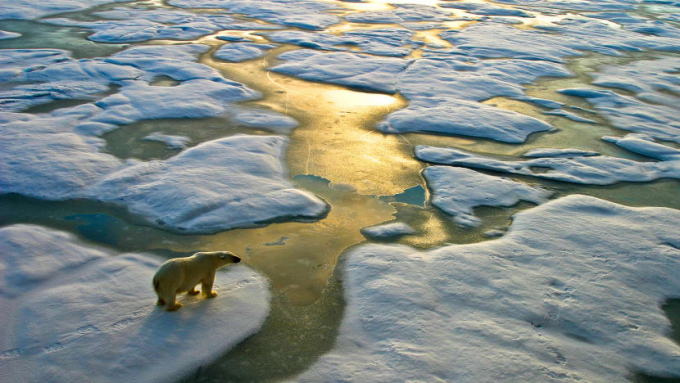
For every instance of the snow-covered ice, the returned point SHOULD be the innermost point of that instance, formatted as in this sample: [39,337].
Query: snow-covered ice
[305,14]
[342,68]
[237,181]
[402,13]
[73,312]
[172,142]
[395,42]
[33,9]
[438,89]
[389,230]
[485,9]
[572,292]
[238,52]
[628,113]
[590,170]
[457,191]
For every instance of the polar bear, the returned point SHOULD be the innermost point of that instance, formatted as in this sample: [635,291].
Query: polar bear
[183,274]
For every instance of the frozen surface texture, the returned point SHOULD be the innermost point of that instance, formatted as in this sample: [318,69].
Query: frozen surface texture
[657,120]
[553,43]
[359,71]
[58,155]
[591,170]
[127,25]
[386,231]
[238,52]
[395,42]
[231,182]
[303,14]
[571,292]
[33,9]
[172,142]
[438,90]
[457,191]
[72,312]
[401,14]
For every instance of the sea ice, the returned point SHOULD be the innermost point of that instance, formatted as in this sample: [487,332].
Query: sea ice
[457,191]
[8,35]
[305,14]
[237,181]
[73,312]
[438,89]
[401,14]
[553,43]
[657,120]
[651,80]
[572,292]
[33,9]
[394,42]
[386,231]
[342,68]
[591,170]
[485,9]
[126,25]
[238,52]
[172,142]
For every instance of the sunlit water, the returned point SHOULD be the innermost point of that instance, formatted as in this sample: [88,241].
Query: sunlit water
[366,176]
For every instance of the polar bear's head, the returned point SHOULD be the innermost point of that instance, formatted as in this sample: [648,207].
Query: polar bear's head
[220,258]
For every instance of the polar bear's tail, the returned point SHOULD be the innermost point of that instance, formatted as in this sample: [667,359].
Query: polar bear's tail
[155,284]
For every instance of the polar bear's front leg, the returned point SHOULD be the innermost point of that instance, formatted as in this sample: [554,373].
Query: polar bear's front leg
[193,291]
[207,285]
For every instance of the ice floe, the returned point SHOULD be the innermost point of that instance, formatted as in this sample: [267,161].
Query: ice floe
[237,181]
[127,25]
[8,35]
[305,14]
[553,43]
[389,230]
[342,68]
[485,9]
[33,9]
[172,142]
[572,292]
[73,312]
[402,13]
[590,170]
[443,93]
[394,42]
[628,113]
[457,191]
[238,52]
[650,80]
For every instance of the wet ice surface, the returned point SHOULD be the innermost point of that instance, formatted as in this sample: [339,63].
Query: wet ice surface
[572,292]
[295,13]
[482,91]
[592,170]
[389,230]
[31,9]
[457,191]
[74,312]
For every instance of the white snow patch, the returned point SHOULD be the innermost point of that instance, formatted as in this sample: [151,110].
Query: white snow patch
[33,9]
[172,142]
[458,191]
[238,52]
[238,181]
[304,14]
[389,230]
[79,313]
[571,292]
[598,170]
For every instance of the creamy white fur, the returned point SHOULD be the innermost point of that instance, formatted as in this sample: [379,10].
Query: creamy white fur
[183,274]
